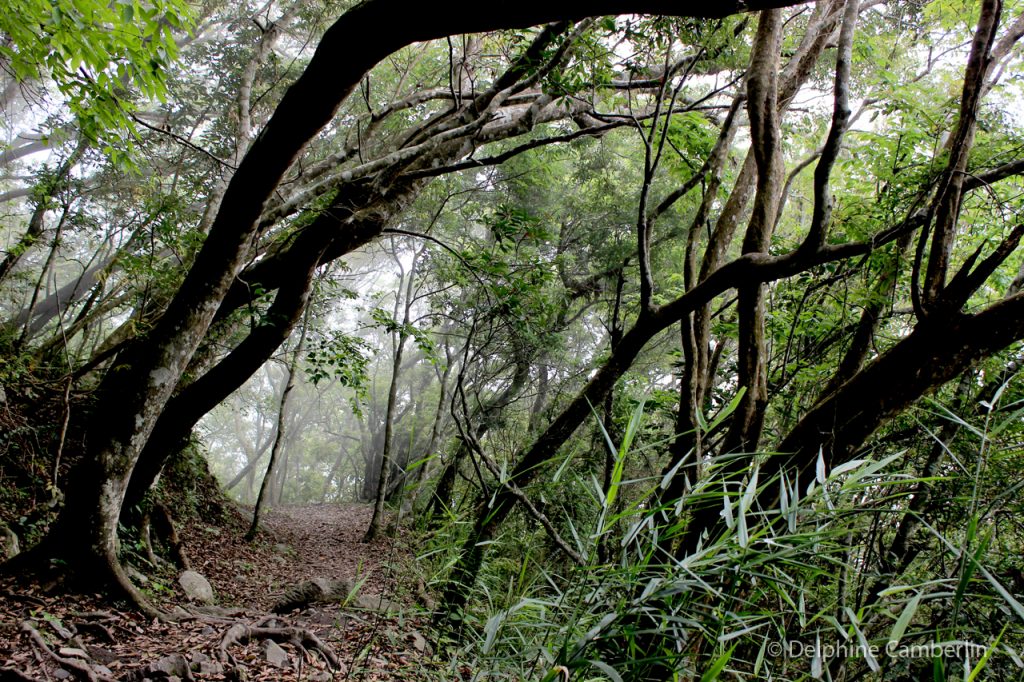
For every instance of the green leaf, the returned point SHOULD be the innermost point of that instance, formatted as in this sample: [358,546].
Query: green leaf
[862,640]
[903,621]
[718,666]
[987,655]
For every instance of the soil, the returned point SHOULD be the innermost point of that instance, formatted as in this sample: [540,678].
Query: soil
[47,633]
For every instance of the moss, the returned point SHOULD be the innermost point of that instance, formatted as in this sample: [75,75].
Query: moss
[189,487]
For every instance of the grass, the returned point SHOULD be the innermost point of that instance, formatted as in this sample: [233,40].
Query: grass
[799,591]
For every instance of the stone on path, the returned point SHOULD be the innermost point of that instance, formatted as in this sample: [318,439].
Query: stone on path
[197,588]
[175,665]
[275,655]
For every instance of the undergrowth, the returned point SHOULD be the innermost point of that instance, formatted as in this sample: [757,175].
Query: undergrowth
[808,588]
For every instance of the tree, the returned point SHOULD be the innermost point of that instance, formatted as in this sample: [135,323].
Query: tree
[279,432]
[399,332]
[732,244]
[344,54]
[841,422]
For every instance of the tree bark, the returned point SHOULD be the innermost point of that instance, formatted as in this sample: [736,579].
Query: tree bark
[184,411]
[763,110]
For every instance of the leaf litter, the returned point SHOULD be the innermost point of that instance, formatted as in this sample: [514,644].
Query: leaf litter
[47,633]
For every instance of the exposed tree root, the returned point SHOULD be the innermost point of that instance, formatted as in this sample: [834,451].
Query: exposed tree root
[122,584]
[101,630]
[83,670]
[159,519]
[110,573]
[33,561]
[97,621]
[165,525]
[23,597]
[15,674]
[240,633]
[146,536]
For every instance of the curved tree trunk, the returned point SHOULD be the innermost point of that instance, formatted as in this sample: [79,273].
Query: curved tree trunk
[136,390]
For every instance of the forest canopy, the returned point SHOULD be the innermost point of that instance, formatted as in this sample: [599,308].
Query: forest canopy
[708,313]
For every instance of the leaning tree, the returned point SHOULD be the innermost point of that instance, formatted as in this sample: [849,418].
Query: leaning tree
[320,201]
[957,319]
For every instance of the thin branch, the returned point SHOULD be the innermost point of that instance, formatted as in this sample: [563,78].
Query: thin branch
[822,212]
[515,151]
[182,141]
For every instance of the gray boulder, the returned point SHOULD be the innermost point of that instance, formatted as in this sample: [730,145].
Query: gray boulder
[196,587]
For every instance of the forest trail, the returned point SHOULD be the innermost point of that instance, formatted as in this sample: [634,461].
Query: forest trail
[297,543]
[86,638]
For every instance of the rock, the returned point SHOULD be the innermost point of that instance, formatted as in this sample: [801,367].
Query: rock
[207,630]
[210,668]
[204,665]
[275,655]
[10,541]
[419,642]
[173,665]
[375,602]
[321,676]
[61,674]
[302,595]
[103,670]
[71,652]
[137,575]
[197,588]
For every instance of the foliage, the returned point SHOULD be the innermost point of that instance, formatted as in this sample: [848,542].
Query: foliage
[615,321]
[94,52]
[341,357]
[770,599]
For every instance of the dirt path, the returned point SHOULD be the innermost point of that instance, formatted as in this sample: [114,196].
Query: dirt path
[298,543]
[87,636]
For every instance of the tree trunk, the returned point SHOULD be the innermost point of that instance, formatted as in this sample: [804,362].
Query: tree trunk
[279,437]
[763,110]
[136,390]
[435,434]
[184,411]
[933,354]
[485,417]
[400,338]
[250,465]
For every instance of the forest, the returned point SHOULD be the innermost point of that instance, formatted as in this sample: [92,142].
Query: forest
[609,340]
